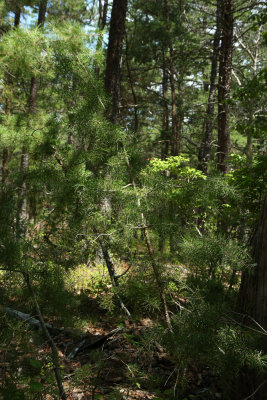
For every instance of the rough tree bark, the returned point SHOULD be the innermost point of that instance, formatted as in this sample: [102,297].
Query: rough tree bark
[114,54]
[253,290]
[205,148]
[224,88]
[252,301]
[17,16]
[112,86]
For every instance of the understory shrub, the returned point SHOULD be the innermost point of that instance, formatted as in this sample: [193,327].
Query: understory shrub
[207,334]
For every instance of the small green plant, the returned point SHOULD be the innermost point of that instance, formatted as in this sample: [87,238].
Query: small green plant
[140,293]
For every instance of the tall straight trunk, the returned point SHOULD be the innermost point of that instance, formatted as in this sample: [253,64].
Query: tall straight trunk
[224,87]
[165,139]
[175,118]
[205,148]
[103,9]
[175,135]
[17,16]
[102,20]
[114,54]
[112,86]
[41,13]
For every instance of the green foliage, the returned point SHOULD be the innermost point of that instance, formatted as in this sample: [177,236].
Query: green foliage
[251,183]
[214,257]
[140,292]
[202,333]
[176,165]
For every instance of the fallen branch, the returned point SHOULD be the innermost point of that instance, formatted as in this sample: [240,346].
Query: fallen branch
[28,319]
[113,277]
[92,346]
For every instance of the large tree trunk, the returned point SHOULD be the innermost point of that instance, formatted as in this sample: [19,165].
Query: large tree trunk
[17,16]
[114,54]
[252,301]
[224,87]
[205,149]
[253,290]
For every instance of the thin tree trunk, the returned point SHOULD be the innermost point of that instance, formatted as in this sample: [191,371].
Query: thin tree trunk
[5,166]
[155,266]
[41,13]
[136,121]
[54,352]
[224,88]
[176,120]
[34,84]
[8,80]
[175,136]
[17,16]
[24,164]
[102,20]
[103,9]
[112,86]
[22,201]
[113,276]
[205,149]
[165,139]
[114,54]
[157,275]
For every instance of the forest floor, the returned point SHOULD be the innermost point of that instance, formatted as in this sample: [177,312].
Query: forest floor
[130,364]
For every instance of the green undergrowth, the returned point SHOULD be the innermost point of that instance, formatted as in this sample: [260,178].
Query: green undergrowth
[206,331]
